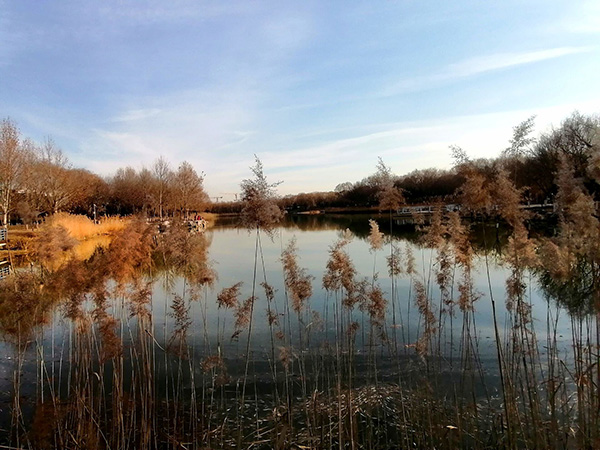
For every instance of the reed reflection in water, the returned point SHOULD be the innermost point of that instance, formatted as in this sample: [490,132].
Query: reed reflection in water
[357,338]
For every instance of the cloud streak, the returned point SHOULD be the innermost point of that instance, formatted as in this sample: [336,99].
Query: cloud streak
[475,66]
[136,114]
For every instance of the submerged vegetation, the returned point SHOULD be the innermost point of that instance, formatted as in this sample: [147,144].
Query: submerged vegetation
[130,345]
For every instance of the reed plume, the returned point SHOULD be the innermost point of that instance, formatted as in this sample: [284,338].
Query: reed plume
[390,198]
[425,307]
[258,195]
[394,261]
[228,297]
[375,236]
[129,255]
[474,193]
[340,271]
[297,282]
[180,312]
[51,245]
[242,316]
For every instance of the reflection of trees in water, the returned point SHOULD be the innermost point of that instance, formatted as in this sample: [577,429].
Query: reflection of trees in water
[488,235]
[106,299]
[133,376]
[577,292]
[24,305]
[179,253]
[358,224]
[73,273]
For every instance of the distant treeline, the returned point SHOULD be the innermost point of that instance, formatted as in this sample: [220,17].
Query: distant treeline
[531,162]
[37,179]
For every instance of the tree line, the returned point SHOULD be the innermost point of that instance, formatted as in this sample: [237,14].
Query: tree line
[38,179]
[532,163]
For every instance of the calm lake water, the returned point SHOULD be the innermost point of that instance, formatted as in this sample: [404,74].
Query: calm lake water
[231,251]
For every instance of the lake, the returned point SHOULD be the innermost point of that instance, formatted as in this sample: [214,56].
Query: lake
[187,344]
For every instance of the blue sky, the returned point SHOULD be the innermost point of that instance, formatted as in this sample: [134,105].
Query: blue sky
[317,89]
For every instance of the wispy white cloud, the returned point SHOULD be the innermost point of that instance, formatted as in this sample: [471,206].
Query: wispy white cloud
[479,65]
[346,149]
[207,129]
[475,66]
[128,145]
[404,147]
[136,114]
[226,154]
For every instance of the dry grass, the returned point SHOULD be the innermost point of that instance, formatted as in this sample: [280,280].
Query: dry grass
[126,389]
[82,235]
[85,249]
[82,227]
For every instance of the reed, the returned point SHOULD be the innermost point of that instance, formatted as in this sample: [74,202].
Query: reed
[348,376]
[82,227]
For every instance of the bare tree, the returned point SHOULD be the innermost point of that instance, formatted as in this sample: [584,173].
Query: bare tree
[390,198]
[56,187]
[188,192]
[127,194]
[459,156]
[12,163]
[163,175]
[145,188]
[521,142]
[90,190]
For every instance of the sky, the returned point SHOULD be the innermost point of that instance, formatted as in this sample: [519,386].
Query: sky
[318,90]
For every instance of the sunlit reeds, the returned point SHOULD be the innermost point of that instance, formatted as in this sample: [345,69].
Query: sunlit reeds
[82,227]
[372,369]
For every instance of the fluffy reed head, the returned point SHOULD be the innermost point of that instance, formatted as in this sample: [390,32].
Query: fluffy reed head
[24,305]
[375,236]
[425,307]
[51,246]
[260,209]
[297,281]
[187,254]
[242,316]
[507,199]
[394,261]
[340,271]
[436,231]
[129,255]
[228,297]
[474,193]
[377,304]
[390,198]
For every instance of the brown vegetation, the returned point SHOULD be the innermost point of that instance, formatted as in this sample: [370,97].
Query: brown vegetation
[349,377]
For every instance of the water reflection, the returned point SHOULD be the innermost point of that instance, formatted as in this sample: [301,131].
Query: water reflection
[197,267]
[577,291]
[120,327]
